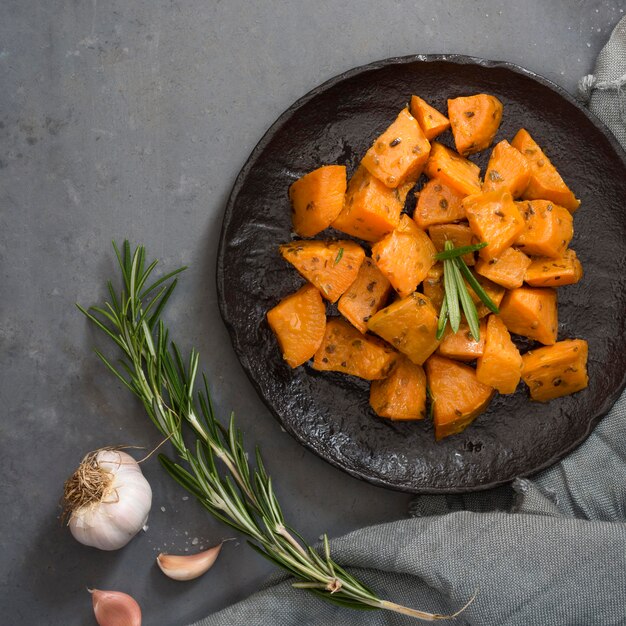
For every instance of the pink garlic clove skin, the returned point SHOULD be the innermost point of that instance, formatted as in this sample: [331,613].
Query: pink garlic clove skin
[114,608]
[190,566]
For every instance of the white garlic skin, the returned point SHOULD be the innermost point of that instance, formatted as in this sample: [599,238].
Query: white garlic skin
[123,511]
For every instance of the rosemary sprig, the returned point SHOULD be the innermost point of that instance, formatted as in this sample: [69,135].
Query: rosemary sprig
[216,470]
[456,294]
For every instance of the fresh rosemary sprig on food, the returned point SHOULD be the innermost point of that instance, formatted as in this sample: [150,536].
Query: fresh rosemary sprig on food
[217,471]
[456,294]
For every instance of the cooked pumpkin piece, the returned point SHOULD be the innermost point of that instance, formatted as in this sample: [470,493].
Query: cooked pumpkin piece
[462,346]
[299,323]
[545,181]
[458,397]
[455,171]
[345,349]
[508,270]
[371,209]
[546,272]
[475,121]
[409,325]
[430,120]
[459,234]
[555,371]
[317,199]
[402,395]
[331,266]
[531,312]
[507,170]
[495,219]
[366,295]
[549,228]
[399,154]
[404,256]
[495,292]
[437,203]
[433,285]
[500,365]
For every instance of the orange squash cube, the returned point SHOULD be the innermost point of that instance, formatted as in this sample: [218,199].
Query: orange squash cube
[494,218]
[345,349]
[438,204]
[371,209]
[433,285]
[500,365]
[455,171]
[399,154]
[546,272]
[545,181]
[404,256]
[317,199]
[556,371]
[331,266]
[508,270]
[549,228]
[462,346]
[402,395]
[495,292]
[459,234]
[508,170]
[430,120]
[299,323]
[458,397]
[366,295]
[475,121]
[532,313]
[409,325]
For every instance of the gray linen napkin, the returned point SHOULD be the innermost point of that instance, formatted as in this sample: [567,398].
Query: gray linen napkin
[552,550]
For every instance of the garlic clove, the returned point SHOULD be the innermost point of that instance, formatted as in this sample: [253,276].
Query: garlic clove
[114,608]
[190,566]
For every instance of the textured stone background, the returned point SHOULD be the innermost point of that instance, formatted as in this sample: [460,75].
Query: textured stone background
[132,119]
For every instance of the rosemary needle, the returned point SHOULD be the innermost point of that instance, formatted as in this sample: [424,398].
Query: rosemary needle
[452,296]
[451,253]
[475,285]
[216,469]
[469,308]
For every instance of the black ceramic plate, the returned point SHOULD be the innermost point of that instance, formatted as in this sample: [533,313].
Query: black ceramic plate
[329,413]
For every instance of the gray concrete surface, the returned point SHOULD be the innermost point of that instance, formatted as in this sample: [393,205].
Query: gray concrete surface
[132,119]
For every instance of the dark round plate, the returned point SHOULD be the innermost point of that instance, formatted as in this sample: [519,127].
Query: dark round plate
[329,413]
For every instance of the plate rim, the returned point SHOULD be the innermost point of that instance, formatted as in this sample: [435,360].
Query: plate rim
[457,59]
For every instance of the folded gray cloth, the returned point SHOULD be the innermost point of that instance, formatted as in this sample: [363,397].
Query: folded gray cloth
[547,551]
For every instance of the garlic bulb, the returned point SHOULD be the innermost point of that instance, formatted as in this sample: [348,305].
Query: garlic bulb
[108,499]
[114,608]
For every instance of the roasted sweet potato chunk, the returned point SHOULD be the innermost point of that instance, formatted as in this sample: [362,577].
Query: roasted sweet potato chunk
[409,325]
[331,266]
[399,154]
[345,349]
[508,170]
[545,181]
[549,228]
[317,199]
[299,322]
[402,395]
[404,256]
[462,346]
[495,292]
[557,370]
[475,121]
[371,209]
[433,285]
[508,270]
[500,365]
[532,313]
[366,295]
[546,272]
[458,396]
[495,219]
[459,234]
[455,171]
[430,120]
[437,203]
